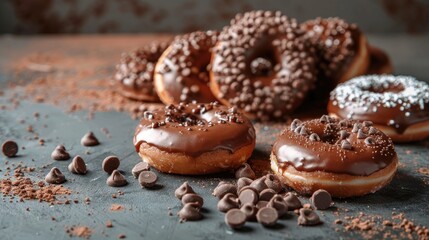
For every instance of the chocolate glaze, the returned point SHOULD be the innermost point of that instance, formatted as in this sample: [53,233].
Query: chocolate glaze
[328,154]
[396,101]
[194,129]
[379,62]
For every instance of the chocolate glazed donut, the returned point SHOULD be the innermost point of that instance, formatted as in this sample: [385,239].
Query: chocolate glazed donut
[194,138]
[398,105]
[379,62]
[347,158]
[181,73]
[342,49]
[263,65]
[134,73]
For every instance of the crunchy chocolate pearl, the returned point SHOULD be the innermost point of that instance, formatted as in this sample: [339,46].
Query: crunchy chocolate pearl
[190,212]
[243,182]
[273,182]
[185,188]
[77,166]
[259,184]
[292,201]
[221,190]
[250,210]
[55,176]
[235,218]
[277,202]
[193,198]
[267,216]
[248,195]
[229,201]
[245,171]
[60,153]
[308,217]
[267,194]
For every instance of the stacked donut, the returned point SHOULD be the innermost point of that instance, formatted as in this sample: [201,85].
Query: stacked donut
[263,63]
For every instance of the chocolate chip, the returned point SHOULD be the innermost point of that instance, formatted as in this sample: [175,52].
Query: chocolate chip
[110,163]
[345,144]
[356,127]
[261,204]
[267,216]
[147,179]
[245,171]
[89,140]
[190,212]
[308,217]
[259,184]
[185,188]
[221,190]
[344,134]
[267,194]
[369,141]
[60,153]
[55,176]
[229,201]
[321,199]
[77,166]
[303,131]
[116,179]
[273,182]
[314,137]
[292,201]
[361,134]
[243,182]
[295,123]
[140,167]
[248,195]
[372,130]
[250,211]
[235,218]
[9,148]
[324,119]
[193,198]
[367,123]
[277,202]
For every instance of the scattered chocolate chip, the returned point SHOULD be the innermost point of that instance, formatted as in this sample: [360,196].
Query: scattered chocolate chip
[303,131]
[140,167]
[89,140]
[292,201]
[361,134]
[314,137]
[267,194]
[193,198]
[60,153]
[248,195]
[324,119]
[259,184]
[110,164]
[278,203]
[321,199]
[190,212]
[273,182]
[356,127]
[261,204]
[267,216]
[372,130]
[221,190]
[185,188]
[147,179]
[308,217]
[369,141]
[243,182]
[116,179]
[55,176]
[235,218]
[344,134]
[367,123]
[9,148]
[295,123]
[77,166]
[229,201]
[345,144]
[245,171]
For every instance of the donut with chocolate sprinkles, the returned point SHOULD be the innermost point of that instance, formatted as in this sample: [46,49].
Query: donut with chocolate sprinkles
[181,74]
[135,72]
[263,65]
[347,158]
[194,139]
[397,105]
[341,47]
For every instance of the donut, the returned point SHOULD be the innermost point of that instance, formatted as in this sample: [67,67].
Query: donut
[342,49]
[263,65]
[135,72]
[397,105]
[347,158]
[379,62]
[181,74]
[194,139]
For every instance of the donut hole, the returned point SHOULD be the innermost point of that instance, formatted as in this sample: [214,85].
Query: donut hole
[386,88]
[262,59]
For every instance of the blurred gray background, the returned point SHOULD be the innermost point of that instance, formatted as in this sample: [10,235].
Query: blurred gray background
[175,16]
